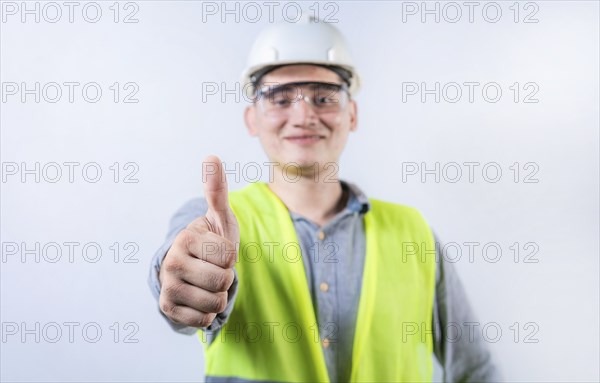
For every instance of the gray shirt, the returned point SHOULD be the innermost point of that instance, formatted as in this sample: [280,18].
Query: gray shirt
[333,257]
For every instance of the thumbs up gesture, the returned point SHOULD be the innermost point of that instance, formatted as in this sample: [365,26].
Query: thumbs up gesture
[198,268]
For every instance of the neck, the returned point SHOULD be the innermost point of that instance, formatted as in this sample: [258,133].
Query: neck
[318,199]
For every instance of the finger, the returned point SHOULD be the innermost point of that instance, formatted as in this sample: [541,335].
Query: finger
[212,248]
[188,316]
[208,276]
[215,185]
[199,299]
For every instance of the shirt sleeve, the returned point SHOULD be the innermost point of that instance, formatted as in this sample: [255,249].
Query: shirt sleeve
[464,358]
[185,215]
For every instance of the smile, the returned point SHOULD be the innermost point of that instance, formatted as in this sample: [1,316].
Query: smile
[304,139]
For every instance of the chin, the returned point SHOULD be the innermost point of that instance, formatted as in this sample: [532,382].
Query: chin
[313,165]
[305,160]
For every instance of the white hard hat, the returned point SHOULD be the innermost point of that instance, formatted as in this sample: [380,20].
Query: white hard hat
[306,42]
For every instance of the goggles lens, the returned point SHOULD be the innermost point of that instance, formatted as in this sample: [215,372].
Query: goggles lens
[276,99]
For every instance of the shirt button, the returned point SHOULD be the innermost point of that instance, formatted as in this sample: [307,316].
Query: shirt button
[324,287]
[321,235]
[325,342]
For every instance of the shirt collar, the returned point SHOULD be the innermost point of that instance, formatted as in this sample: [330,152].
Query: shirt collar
[358,202]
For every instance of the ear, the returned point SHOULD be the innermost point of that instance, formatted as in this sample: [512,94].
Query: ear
[250,120]
[353,116]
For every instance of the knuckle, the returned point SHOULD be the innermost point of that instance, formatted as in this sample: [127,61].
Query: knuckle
[213,303]
[173,266]
[229,277]
[221,302]
[167,307]
[204,320]
[175,313]
[174,291]
[220,281]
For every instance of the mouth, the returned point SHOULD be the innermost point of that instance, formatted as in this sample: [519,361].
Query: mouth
[305,139]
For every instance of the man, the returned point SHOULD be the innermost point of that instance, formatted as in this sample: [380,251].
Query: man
[365,301]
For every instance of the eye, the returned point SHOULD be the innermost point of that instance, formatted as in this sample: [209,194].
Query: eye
[279,99]
[280,102]
[326,95]
[327,100]
[282,97]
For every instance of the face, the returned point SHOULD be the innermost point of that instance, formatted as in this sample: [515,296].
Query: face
[301,135]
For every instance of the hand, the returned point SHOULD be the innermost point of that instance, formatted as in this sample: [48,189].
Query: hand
[198,268]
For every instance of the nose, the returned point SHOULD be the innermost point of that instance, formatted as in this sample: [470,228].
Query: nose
[302,112]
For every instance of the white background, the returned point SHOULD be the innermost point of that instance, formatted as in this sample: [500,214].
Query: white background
[171,52]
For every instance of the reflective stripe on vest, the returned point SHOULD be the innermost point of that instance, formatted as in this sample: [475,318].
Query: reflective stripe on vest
[272,333]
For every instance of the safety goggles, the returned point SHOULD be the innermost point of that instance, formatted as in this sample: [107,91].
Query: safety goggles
[324,97]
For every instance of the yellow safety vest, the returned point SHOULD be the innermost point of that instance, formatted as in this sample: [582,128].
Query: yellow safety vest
[272,333]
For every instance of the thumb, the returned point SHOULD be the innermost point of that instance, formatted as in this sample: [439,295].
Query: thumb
[215,185]
[219,217]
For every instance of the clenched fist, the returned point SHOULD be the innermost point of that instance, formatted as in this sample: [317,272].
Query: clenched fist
[198,268]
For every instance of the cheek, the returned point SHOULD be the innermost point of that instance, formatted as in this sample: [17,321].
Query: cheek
[339,125]
[269,130]
[337,120]
[268,126]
